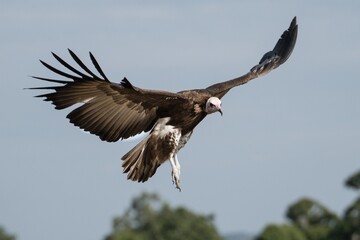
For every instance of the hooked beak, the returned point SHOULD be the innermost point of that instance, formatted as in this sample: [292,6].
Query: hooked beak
[220,112]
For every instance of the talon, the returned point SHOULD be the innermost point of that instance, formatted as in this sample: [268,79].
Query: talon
[176,180]
[177,184]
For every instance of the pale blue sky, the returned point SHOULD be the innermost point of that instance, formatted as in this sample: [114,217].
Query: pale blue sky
[290,134]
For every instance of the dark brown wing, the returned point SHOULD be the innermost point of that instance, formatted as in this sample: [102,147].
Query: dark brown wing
[109,110]
[268,62]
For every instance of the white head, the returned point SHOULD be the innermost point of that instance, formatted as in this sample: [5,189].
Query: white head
[213,104]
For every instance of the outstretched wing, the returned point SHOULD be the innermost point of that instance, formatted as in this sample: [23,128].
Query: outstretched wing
[109,110]
[268,62]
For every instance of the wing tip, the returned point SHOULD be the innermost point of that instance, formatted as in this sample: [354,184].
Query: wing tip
[293,25]
[281,52]
[126,83]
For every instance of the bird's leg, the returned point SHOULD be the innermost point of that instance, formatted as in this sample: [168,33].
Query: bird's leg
[175,173]
[177,163]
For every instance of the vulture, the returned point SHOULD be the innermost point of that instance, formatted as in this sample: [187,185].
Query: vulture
[117,111]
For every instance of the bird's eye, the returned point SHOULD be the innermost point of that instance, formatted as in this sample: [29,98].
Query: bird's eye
[212,105]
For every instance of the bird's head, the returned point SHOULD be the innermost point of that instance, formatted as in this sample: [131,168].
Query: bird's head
[213,104]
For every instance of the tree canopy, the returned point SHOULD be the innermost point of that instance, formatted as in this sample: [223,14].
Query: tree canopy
[310,220]
[5,236]
[353,181]
[281,232]
[315,220]
[149,217]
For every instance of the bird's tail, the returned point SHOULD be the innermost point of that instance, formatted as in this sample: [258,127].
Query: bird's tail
[139,162]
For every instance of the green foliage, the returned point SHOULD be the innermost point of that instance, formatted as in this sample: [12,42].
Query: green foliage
[352,215]
[281,232]
[353,181]
[315,220]
[150,218]
[5,236]
[350,227]
[307,212]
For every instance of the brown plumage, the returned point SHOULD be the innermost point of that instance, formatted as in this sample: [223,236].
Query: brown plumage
[118,111]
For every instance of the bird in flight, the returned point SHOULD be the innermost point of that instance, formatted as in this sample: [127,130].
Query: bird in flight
[117,111]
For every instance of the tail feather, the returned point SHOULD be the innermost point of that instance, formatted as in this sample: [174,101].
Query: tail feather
[140,163]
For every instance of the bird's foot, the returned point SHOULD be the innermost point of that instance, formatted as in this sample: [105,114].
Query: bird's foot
[175,174]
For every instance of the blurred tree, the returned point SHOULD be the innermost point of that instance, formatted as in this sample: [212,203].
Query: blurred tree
[354,181]
[151,218]
[5,236]
[351,222]
[281,232]
[315,220]
[307,212]
[352,216]
[349,228]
